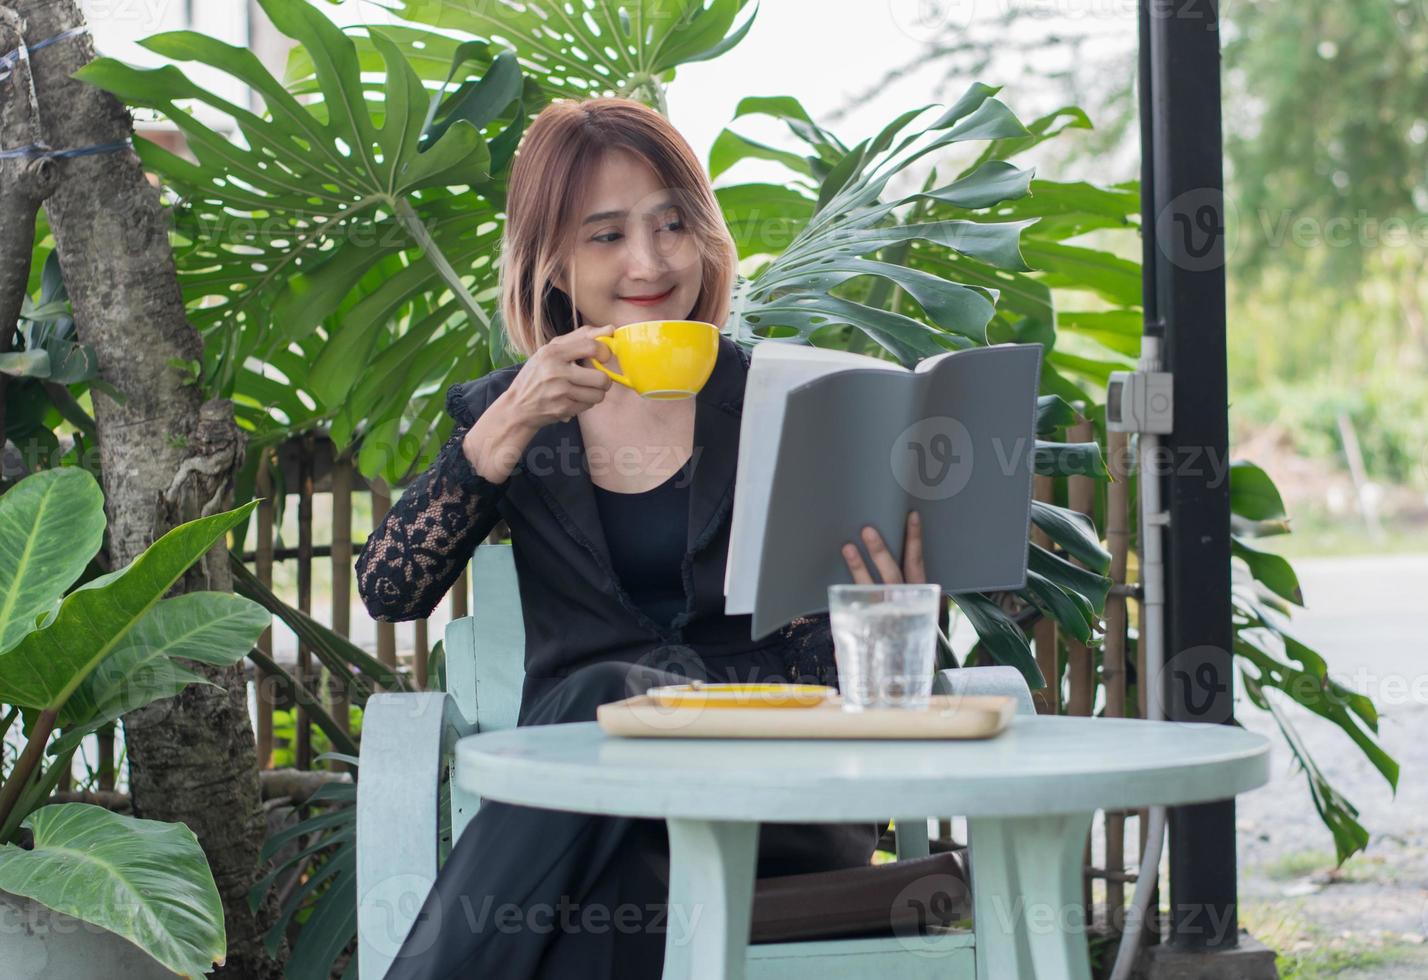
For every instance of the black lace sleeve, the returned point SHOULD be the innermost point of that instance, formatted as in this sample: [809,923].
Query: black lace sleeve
[409,563]
[809,644]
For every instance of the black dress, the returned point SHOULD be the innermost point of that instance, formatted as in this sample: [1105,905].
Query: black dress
[619,593]
[645,533]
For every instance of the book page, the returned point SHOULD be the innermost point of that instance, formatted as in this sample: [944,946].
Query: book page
[775,368]
[833,474]
[970,466]
[956,442]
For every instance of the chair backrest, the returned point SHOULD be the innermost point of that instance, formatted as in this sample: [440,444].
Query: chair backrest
[486,651]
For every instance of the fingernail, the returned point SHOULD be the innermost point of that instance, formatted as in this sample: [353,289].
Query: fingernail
[915,518]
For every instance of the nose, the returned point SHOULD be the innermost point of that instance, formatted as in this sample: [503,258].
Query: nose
[643,258]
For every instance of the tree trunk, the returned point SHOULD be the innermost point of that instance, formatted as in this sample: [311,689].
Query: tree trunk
[24,183]
[166,455]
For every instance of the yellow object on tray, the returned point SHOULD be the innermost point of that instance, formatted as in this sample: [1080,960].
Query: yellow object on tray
[697,694]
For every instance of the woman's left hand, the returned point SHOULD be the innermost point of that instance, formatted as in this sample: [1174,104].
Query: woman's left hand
[911,571]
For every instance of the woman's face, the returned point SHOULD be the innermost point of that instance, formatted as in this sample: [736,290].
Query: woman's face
[630,245]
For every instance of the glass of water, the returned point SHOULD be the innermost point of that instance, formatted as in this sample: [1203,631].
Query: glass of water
[884,642]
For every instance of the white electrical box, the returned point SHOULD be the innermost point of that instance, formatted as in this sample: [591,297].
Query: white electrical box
[1140,401]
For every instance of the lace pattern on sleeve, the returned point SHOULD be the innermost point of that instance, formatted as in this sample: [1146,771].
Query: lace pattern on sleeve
[809,642]
[409,563]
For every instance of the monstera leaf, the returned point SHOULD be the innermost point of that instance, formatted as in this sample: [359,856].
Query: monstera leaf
[144,880]
[836,202]
[279,231]
[577,49]
[1276,667]
[829,229]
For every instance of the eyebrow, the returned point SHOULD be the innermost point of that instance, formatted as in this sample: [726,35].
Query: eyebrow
[606,215]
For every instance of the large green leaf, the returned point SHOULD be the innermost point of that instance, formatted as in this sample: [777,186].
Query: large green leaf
[1335,811]
[1069,459]
[1073,531]
[1052,413]
[1271,569]
[144,880]
[1000,636]
[1072,578]
[1253,494]
[283,228]
[844,222]
[1069,609]
[216,628]
[51,525]
[578,49]
[51,663]
[1071,208]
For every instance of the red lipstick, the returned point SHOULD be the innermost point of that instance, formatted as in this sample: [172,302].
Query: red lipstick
[649,300]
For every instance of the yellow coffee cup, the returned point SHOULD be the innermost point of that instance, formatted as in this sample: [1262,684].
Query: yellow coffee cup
[666,359]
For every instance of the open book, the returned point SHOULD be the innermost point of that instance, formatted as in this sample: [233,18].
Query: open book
[831,441]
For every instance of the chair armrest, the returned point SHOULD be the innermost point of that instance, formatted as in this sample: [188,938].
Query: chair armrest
[996,679]
[407,741]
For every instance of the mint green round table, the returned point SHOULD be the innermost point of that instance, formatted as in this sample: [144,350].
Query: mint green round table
[1028,796]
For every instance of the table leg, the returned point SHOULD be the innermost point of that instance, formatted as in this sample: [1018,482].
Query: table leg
[1028,907]
[711,898]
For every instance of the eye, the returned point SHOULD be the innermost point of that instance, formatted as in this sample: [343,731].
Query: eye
[606,237]
[673,220]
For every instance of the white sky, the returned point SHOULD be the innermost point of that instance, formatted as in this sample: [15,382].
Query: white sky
[826,53]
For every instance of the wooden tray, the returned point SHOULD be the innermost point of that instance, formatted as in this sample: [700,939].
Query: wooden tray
[946,716]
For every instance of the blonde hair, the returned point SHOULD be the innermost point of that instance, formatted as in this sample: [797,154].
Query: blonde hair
[556,160]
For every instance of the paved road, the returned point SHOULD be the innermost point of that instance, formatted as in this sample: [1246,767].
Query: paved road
[1364,615]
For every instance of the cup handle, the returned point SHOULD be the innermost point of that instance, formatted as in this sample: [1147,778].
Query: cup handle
[610,343]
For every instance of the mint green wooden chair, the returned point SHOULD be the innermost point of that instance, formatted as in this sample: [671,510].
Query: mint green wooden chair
[405,777]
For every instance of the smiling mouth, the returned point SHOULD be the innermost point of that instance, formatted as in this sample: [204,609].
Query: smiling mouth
[649,299]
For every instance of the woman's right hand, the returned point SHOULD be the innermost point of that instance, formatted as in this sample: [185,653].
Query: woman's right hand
[552,386]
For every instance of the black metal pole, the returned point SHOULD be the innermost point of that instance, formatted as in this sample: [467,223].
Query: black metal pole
[1184,221]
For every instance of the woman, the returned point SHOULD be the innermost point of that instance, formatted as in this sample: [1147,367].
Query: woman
[619,510]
